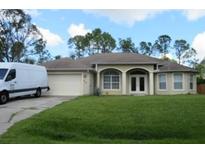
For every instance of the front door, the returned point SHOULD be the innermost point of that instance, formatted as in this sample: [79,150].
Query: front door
[138,84]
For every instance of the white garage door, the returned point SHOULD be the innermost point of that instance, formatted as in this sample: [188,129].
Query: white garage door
[65,85]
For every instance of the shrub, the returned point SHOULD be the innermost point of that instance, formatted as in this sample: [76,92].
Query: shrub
[97,92]
[200,81]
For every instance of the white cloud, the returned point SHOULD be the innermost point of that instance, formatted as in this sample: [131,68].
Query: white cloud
[193,15]
[51,38]
[128,16]
[170,56]
[33,12]
[198,44]
[79,29]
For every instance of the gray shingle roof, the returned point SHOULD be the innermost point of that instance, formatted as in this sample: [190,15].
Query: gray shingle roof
[87,63]
[65,64]
[168,66]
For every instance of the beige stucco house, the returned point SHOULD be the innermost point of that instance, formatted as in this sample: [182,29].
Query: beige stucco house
[119,74]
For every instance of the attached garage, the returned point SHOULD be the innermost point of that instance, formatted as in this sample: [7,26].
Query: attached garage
[65,84]
[67,77]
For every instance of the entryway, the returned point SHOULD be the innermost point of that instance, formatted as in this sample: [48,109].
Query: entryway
[138,84]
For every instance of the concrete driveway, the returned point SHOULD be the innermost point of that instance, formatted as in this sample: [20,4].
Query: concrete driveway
[22,108]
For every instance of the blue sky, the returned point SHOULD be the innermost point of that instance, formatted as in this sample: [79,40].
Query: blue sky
[141,25]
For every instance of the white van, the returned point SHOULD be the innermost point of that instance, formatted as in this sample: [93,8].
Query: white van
[18,79]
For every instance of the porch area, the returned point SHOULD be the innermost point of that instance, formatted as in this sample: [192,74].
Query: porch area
[134,81]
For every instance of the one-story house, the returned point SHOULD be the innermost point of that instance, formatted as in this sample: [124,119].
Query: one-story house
[119,74]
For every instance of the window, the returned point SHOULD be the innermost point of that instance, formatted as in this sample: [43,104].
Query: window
[137,72]
[111,80]
[178,81]
[142,84]
[191,83]
[3,73]
[155,67]
[133,84]
[162,82]
[11,75]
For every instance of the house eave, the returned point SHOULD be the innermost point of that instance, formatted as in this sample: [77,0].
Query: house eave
[70,69]
[124,63]
[170,71]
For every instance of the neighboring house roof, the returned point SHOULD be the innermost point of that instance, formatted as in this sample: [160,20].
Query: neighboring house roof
[87,63]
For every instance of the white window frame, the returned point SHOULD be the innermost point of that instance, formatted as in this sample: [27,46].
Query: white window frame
[158,79]
[111,89]
[191,78]
[174,81]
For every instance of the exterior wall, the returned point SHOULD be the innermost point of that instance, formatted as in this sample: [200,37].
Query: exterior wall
[88,83]
[127,83]
[125,68]
[122,69]
[92,84]
[170,85]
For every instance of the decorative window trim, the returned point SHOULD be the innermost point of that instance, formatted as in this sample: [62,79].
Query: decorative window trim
[158,79]
[174,82]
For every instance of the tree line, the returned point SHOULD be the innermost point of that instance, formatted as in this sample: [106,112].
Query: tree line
[21,41]
[103,42]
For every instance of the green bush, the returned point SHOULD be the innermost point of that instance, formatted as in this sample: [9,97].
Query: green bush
[97,92]
[200,81]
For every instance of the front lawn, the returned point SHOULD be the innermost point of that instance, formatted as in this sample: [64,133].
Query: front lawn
[116,119]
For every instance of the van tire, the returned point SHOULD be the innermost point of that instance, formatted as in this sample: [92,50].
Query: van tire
[38,92]
[4,97]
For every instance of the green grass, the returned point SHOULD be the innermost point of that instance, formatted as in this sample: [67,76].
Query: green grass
[116,119]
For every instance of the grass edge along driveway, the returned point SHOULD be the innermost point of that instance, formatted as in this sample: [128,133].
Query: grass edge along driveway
[116,119]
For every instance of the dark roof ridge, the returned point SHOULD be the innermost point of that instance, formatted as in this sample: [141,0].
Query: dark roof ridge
[118,53]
